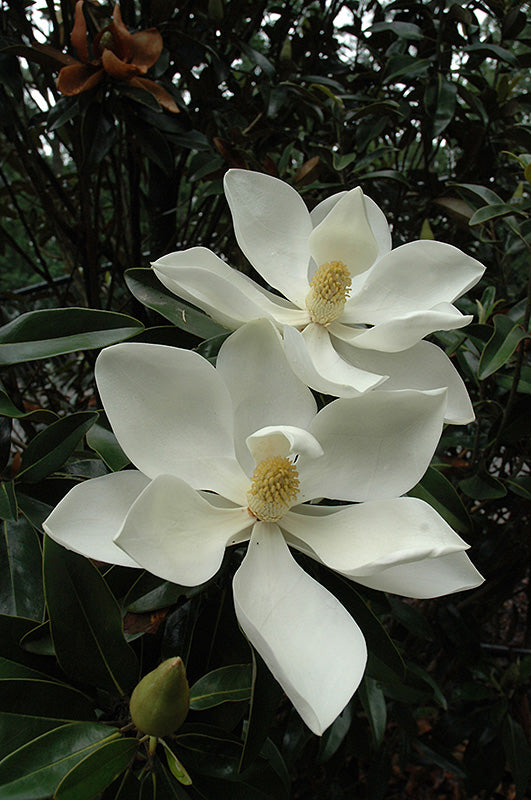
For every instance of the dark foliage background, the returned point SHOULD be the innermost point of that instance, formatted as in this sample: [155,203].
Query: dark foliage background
[425,105]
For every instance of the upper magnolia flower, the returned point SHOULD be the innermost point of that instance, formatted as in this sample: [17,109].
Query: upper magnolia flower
[117,53]
[248,433]
[356,310]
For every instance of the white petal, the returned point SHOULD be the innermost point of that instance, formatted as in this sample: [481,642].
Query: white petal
[414,277]
[227,295]
[263,388]
[88,518]
[272,226]
[375,217]
[313,358]
[369,537]
[345,235]
[423,366]
[175,533]
[404,332]
[282,440]
[431,577]
[376,446]
[172,414]
[308,640]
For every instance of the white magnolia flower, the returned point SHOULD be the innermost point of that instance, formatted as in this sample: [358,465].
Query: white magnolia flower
[234,453]
[356,311]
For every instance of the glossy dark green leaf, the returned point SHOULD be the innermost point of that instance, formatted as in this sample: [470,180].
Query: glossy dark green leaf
[483,487]
[12,669]
[384,661]
[103,441]
[86,622]
[125,787]
[210,347]
[43,698]
[163,786]
[404,30]
[33,771]
[334,736]
[437,490]
[373,702]
[39,640]
[209,751]
[8,501]
[493,211]
[12,629]
[445,104]
[492,51]
[411,618]
[175,766]
[16,730]
[9,409]
[424,676]
[265,697]
[21,592]
[223,685]
[500,347]
[520,486]
[97,770]
[49,450]
[150,593]
[43,334]
[146,287]
[518,754]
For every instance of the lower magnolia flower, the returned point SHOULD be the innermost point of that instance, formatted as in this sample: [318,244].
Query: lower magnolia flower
[237,453]
[356,311]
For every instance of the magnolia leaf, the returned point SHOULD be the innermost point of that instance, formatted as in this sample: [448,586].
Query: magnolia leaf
[21,592]
[86,622]
[227,684]
[500,347]
[146,287]
[103,441]
[175,766]
[51,447]
[47,333]
[97,770]
[373,702]
[34,770]
[265,697]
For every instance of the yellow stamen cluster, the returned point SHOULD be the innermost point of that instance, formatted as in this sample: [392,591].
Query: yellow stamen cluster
[274,488]
[328,292]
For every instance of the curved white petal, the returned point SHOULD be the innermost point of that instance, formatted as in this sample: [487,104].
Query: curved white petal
[316,362]
[175,533]
[404,332]
[423,366]
[171,413]
[282,440]
[431,577]
[263,388]
[370,537]
[308,640]
[88,518]
[345,235]
[375,217]
[415,277]
[272,226]
[376,446]
[227,295]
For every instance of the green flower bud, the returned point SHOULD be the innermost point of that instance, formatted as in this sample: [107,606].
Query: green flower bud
[160,702]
